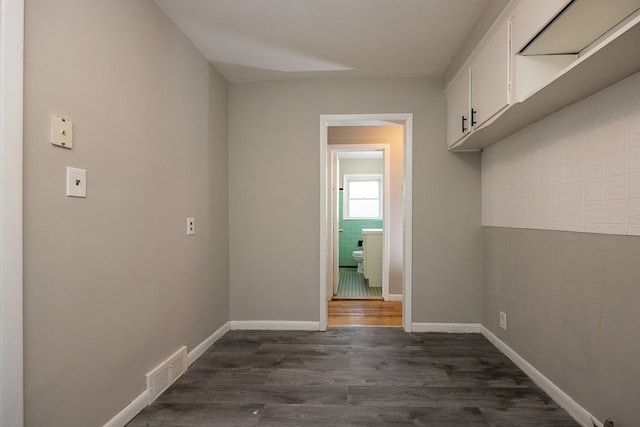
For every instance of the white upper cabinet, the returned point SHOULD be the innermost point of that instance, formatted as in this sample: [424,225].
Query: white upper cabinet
[458,108]
[481,90]
[532,16]
[490,77]
[573,25]
[540,57]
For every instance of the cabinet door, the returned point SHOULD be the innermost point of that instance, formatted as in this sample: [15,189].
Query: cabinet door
[458,123]
[531,16]
[490,77]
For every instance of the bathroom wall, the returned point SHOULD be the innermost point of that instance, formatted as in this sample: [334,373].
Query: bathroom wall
[360,166]
[351,233]
[112,284]
[274,193]
[352,229]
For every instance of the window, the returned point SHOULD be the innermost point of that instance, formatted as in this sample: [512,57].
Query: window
[362,197]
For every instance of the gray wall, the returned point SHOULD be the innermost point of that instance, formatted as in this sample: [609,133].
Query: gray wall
[274,181]
[394,136]
[572,311]
[360,166]
[112,284]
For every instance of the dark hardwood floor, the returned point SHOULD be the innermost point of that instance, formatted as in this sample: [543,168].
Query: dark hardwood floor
[349,377]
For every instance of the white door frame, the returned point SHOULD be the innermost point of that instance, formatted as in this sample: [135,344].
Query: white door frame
[326,263]
[11,143]
[334,149]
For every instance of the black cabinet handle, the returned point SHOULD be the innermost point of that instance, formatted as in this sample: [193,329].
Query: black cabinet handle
[464,119]
[473,117]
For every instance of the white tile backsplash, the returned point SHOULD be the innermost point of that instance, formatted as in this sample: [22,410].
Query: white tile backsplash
[593,167]
[615,187]
[616,137]
[575,192]
[634,212]
[593,190]
[576,170]
[634,133]
[615,163]
[615,212]
[634,160]
[634,185]
[594,212]
[593,144]
[575,212]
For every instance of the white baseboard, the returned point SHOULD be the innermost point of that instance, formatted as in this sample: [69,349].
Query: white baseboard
[141,402]
[208,342]
[449,328]
[274,325]
[565,401]
[130,411]
[395,297]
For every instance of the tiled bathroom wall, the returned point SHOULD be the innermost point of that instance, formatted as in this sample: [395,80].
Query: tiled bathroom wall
[575,170]
[352,232]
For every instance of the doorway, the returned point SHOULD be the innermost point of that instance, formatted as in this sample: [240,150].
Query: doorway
[329,192]
[360,220]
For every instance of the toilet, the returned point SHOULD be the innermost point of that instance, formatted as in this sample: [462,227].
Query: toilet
[359,257]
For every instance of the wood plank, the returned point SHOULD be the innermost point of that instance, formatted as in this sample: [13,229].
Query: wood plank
[364,313]
[353,376]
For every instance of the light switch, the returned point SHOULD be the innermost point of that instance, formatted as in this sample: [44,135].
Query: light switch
[191,226]
[61,131]
[76,182]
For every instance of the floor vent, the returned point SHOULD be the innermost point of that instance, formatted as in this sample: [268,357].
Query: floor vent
[160,378]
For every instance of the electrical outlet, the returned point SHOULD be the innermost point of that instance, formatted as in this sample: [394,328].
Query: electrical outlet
[191,226]
[503,320]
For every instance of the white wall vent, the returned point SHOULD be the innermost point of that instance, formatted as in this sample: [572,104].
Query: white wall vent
[163,375]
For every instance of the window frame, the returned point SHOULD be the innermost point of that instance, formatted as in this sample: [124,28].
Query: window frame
[347,178]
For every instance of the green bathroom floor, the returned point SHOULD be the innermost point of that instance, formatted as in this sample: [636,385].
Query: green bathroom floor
[352,284]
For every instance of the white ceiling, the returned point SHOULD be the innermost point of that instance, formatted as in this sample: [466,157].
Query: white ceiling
[250,40]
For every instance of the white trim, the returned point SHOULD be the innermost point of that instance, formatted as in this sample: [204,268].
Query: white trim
[394,297]
[142,401]
[326,220]
[274,325]
[130,411]
[565,401]
[208,342]
[407,251]
[448,328]
[325,217]
[11,225]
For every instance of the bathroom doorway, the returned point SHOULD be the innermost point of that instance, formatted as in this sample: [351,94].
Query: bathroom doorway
[360,183]
[363,129]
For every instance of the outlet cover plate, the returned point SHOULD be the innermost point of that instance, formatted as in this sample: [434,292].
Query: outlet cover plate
[503,320]
[61,131]
[191,226]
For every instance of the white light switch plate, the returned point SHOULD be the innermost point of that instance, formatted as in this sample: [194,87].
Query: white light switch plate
[191,226]
[61,131]
[76,182]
